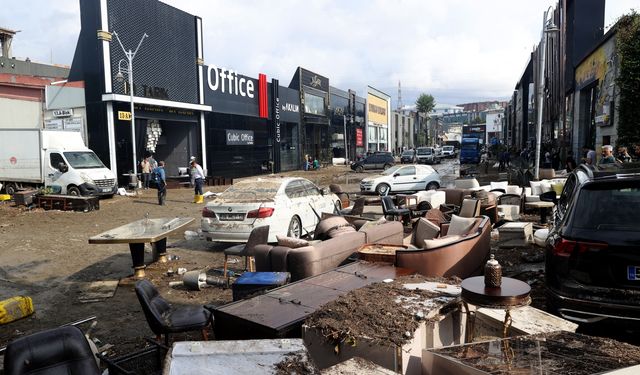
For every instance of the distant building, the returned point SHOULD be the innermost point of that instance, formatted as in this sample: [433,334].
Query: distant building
[483,106]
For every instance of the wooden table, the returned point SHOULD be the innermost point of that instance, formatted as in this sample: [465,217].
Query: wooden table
[542,206]
[137,233]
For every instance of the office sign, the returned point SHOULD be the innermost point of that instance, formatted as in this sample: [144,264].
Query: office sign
[239,137]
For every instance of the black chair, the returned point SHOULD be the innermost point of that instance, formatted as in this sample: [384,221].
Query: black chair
[258,236]
[390,209]
[356,210]
[163,320]
[421,209]
[63,351]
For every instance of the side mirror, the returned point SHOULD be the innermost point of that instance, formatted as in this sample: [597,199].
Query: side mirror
[396,174]
[324,191]
[549,196]
[62,167]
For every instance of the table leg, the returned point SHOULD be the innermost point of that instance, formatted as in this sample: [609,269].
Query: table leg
[137,256]
[160,250]
[543,215]
[470,326]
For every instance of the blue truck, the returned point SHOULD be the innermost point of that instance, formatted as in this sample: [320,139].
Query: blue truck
[470,151]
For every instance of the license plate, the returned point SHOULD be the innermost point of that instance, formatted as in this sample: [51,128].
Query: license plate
[633,273]
[231,217]
[106,190]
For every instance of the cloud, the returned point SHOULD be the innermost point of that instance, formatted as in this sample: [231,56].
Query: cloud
[458,50]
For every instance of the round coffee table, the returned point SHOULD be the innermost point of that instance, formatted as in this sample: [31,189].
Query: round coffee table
[511,294]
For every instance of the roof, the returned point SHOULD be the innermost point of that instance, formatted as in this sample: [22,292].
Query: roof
[611,171]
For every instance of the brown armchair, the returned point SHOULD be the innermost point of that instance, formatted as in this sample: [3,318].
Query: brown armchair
[463,257]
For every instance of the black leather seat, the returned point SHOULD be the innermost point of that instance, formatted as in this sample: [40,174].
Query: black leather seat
[390,209]
[58,351]
[163,320]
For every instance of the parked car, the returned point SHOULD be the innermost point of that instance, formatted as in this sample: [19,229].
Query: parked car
[448,152]
[381,160]
[402,178]
[592,259]
[408,156]
[426,155]
[290,206]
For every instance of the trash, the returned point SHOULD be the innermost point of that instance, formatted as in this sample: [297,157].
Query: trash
[182,270]
[173,257]
[209,194]
[123,191]
[97,291]
[190,235]
[173,284]
[221,271]
[15,308]
[495,235]
[194,280]
[170,272]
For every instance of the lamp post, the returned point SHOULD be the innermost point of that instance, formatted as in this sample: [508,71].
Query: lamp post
[120,78]
[546,28]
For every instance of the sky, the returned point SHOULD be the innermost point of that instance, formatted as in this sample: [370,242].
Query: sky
[456,50]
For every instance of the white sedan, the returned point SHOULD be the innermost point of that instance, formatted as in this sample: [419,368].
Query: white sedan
[402,178]
[289,205]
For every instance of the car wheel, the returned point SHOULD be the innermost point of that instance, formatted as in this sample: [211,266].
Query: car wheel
[359,169]
[10,189]
[295,228]
[73,191]
[383,189]
[387,166]
[433,185]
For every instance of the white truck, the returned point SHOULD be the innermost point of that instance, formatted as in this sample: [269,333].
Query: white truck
[59,160]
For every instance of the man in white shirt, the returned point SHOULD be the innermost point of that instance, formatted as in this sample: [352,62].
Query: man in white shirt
[197,177]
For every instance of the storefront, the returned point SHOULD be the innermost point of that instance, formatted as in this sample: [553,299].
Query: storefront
[168,78]
[288,135]
[378,120]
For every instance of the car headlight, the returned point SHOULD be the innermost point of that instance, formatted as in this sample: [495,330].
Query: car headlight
[86,179]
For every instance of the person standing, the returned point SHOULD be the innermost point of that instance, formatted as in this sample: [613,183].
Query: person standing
[161,178]
[145,167]
[623,155]
[607,155]
[570,163]
[197,177]
[589,155]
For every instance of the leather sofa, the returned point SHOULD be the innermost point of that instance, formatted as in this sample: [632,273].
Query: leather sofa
[463,258]
[325,255]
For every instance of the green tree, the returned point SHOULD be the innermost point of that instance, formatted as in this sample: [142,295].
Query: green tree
[628,81]
[425,104]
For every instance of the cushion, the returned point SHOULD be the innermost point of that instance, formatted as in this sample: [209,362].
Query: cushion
[500,185]
[442,241]
[557,187]
[371,223]
[535,187]
[545,187]
[460,225]
[330,227]
[513,189]
[338,231]
[436,216]
[425,230]
[291,242]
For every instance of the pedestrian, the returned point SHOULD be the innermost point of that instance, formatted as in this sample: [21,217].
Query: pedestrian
[555,159]
[306,162]
[197,177]
[316,163]
[153,162]
[189,166]
[623,155]
[636,152]
[145,167]
[607,155]
[570,162]
[589,155]
[547,160]
[161,178]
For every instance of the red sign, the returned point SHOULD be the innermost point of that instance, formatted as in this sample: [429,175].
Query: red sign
[13,160]
[359,137]
[262,96]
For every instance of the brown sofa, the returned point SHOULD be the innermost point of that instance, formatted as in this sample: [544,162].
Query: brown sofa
[314,259]
[463,258]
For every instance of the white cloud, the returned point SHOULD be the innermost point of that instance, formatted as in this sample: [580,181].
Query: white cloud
[457,50]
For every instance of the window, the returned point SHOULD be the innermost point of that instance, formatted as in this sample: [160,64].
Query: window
[56,159]
[407,171]
[313,104]
[295,189]
[605,207]
[311,189]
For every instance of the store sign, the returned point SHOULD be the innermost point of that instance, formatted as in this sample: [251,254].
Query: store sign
[53,124]
[377,110]
[228,81]
[122,115]
[314,80]
[239,137]
[73,124]
[63,113]
[288,107]
[359,140]
[227,91]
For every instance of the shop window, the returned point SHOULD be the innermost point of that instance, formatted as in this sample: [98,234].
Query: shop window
[313,104]
[606,140]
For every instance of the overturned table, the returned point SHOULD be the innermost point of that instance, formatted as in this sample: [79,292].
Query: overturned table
[137,233]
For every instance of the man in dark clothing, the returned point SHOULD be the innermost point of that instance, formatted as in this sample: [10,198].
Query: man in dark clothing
[162,183]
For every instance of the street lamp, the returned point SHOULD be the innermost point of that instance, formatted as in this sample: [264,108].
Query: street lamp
[128,70]
[547,27]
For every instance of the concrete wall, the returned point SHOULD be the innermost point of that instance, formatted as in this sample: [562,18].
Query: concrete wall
[22,114]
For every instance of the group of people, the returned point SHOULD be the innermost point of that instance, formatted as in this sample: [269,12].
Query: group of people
[310,163]
[608,157]
[149,167]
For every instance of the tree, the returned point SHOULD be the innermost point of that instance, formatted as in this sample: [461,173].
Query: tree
[424,105]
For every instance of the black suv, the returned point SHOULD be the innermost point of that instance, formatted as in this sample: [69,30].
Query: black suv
[408,156]
[379,160]
[592,268]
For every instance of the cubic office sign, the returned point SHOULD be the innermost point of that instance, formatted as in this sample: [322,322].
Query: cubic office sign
[233,91]
[239,137]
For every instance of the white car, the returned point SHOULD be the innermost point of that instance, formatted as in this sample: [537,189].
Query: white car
[402,178]
[448,152]
[291,206]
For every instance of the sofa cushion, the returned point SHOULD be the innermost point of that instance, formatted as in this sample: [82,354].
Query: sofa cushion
[460,225]
[331,227]
[442,241]
[536,189]
[425,230]
[500,185]
[291,242]
[514,189]
[545,187]
[436,216]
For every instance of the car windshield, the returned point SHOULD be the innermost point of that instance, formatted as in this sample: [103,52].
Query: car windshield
[447,148]
[83,160]
[391,171]
[407,153]
[424,151]
[600,207]
[251,190]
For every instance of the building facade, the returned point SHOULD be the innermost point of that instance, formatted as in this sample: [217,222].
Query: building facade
[378,120]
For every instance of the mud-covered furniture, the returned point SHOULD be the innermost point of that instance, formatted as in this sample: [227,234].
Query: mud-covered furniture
[258,236]
[163,320]
[389,209]
[322,256]
[357,209]
[461,256]
[58,351]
